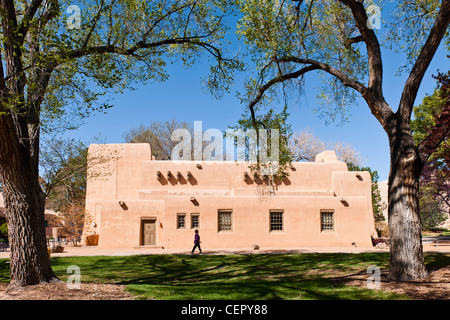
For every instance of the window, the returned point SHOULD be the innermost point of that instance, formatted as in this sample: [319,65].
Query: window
[225,222]
[181,221]
[195,220]
[326,220]
[276,220]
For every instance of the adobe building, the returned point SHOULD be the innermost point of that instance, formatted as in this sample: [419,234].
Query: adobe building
[135,201]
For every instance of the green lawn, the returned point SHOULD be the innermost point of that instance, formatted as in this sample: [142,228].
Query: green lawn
[244,277]
[437,232]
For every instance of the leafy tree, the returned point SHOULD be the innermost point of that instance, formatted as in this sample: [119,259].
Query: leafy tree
[269,121]
[434,200]
[337,40]
[3,230]
[431,212]
[56,68]
[435,181]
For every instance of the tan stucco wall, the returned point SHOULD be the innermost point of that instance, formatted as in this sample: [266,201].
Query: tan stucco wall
[130,177]
[251,223]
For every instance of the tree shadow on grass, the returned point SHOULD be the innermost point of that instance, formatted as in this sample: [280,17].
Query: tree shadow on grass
[437,261]
[234,276]
[239,276]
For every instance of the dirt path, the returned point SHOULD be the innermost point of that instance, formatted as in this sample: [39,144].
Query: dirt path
[60,291]
[435,287]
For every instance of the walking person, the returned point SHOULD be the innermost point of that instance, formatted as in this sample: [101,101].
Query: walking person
[196,242]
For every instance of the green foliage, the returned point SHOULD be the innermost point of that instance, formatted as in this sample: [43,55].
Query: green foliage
[271,121]
[315,30]
[285,36]
[434,198]
[425,115]
[431,212]
[71,73]
[4,231]
[67,74]
[410,26]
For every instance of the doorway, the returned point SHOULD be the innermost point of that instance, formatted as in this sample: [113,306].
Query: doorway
[148,232]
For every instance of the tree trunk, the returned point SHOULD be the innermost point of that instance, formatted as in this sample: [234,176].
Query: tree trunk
[30,263]
[24,202]
[405,227]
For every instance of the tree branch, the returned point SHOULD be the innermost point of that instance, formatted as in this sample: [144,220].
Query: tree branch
[274,81]
[27,17]
[14,66]
[380,109]
[342,76]
[11,46]
[94,23]
[423,61]
[372,45]
[78,53]
[355,39]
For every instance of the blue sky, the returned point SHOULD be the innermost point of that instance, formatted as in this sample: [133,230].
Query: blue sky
[182,97]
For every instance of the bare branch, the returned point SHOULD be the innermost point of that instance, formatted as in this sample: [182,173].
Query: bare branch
[355,39]
[372,45]
[188,18]
[346,80]
[274,81]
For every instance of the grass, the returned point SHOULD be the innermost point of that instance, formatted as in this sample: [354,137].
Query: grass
[309,276]
[440,232]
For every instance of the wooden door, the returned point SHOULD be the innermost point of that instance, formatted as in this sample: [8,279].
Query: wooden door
[148,232]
